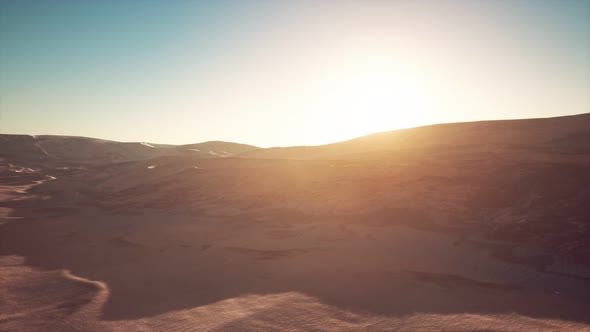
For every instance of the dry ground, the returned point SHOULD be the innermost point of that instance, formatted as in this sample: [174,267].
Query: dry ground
[486,232]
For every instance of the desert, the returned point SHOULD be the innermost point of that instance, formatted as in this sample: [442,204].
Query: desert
[321,166]
[450,233]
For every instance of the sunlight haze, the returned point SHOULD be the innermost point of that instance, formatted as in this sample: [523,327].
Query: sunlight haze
[294,165]
[285,73]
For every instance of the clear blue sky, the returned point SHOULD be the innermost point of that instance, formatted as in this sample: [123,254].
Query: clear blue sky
[285,72]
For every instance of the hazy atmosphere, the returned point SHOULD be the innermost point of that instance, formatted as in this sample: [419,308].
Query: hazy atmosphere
[325,166]
[188,71]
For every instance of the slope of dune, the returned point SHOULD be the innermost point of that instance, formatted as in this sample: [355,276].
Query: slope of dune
[451,230]
[559,132]
[51,150]
[67,303]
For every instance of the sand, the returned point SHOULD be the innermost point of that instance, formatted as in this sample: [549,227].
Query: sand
[63,302]
[430,239]
[172,270]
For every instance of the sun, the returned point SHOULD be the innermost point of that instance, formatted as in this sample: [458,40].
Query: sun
[371,98]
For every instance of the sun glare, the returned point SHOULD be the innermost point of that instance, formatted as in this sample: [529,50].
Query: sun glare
[369,99]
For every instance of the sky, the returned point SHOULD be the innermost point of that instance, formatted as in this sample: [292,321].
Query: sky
[281,73]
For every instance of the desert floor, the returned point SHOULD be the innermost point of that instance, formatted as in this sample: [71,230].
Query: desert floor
[99,270]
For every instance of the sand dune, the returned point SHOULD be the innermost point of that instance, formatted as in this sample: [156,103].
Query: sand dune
[465,237]
[66,303]
[569,132]
[51,150]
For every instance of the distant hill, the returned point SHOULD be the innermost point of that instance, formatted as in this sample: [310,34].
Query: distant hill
[570,132]
[565,133]
[50,150]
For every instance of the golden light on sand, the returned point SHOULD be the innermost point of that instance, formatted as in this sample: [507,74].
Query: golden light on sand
[294,165]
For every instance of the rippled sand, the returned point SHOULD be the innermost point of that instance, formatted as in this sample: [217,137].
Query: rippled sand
[35,300]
